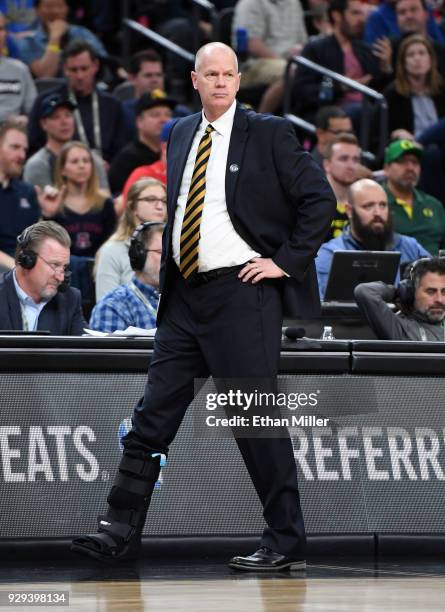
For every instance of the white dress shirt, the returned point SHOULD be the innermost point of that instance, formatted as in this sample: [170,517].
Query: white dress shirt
[30,309]
[220,246]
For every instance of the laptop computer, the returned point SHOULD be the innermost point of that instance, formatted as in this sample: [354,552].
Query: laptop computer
[350,268]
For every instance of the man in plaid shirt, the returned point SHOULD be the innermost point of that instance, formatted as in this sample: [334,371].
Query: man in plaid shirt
[136,302]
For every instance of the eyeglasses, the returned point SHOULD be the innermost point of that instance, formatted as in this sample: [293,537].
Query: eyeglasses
[55,267]
[152,200]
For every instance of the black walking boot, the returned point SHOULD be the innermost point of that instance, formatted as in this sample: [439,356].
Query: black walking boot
[119,530]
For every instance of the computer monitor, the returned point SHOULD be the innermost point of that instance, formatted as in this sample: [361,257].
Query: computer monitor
[350,268]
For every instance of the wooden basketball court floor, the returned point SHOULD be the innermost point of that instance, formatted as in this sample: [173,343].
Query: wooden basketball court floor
[207,585]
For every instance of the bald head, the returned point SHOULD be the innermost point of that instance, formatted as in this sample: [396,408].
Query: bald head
[210,49]
[366,190]
[368,213]
[216,79]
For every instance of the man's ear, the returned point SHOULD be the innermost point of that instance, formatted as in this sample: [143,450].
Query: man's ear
[348,210]
[194,76]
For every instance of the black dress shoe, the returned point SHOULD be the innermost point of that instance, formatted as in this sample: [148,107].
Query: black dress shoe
[265,559]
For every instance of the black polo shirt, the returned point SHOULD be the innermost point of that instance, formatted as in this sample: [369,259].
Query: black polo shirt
[18,209]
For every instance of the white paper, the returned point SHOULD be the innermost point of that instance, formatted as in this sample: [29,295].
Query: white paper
[130,331]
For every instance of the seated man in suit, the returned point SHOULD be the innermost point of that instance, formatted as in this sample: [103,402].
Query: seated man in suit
[36,294]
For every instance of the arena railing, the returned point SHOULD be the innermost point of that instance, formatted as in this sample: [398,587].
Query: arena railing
[369,95]
[160,40]
[310,128]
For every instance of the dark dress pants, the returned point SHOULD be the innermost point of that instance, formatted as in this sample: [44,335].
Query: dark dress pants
[228,329]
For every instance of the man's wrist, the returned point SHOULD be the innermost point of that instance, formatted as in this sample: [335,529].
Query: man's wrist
[53,47]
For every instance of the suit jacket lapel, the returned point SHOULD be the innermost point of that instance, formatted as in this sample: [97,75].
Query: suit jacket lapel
[15,312]
[235,155]
[177,158]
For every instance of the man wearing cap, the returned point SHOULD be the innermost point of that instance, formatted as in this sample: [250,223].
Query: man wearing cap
[99,116]
[146,74]
[57,121]
[153,110]
[415,212]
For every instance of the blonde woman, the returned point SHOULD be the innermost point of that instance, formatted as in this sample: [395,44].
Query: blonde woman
[77,203]
[146,201]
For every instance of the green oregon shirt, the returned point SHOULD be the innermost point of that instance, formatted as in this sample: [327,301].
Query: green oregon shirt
[425,221]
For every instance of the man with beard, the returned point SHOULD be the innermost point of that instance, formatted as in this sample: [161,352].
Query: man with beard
[35,295]
[422,304]
[369,229]
[18,201]
[344,52]
[415,212]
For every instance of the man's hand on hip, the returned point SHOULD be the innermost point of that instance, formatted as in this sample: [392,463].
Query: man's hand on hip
[259,268]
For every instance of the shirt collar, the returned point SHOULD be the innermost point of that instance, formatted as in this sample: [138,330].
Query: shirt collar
[147,290]
[348,238]
[23,296]
[223,124]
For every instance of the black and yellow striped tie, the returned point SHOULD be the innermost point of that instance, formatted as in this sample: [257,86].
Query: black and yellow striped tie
[190,231]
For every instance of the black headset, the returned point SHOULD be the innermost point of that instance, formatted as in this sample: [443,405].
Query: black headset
[407,287]
[27,258]
[137,251]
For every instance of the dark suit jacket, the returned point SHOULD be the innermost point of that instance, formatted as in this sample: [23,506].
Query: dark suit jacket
[62,315]
[326,51]
[278,200]
[400,109]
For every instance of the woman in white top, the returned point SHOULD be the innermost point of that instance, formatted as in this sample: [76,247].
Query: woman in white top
[146,201]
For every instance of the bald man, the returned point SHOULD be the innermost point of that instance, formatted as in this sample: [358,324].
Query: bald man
[369,228]
[247,211]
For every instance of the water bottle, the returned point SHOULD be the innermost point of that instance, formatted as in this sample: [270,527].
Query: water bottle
[326,93]
[327,333]
[242,51]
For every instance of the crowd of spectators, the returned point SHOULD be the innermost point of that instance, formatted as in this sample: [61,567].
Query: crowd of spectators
[85,128]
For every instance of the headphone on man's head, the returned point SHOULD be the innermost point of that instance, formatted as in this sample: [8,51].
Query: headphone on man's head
[27,258]
[137,251]
[407,286]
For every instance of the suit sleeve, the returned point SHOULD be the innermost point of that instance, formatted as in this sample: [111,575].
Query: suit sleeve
[310,193]
[77,322]
[372,300]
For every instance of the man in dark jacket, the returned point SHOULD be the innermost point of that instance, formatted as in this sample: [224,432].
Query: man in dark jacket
[35,295]
[421,296]
[100,121]
[344,52]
